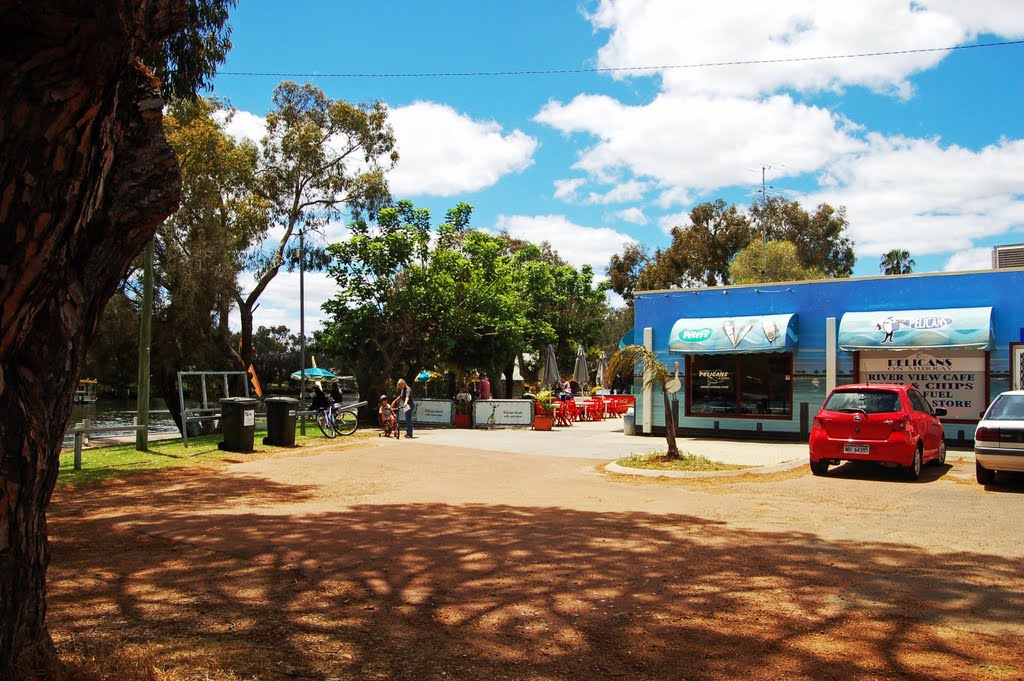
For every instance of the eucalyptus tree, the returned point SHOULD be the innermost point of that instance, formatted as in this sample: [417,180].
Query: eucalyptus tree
[321,159]
[199,250]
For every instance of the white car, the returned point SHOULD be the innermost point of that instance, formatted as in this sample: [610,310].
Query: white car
[999,437]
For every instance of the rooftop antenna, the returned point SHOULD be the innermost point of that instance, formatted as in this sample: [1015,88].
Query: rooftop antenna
[764,224]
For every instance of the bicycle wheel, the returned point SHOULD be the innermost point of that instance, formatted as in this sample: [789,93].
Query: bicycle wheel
[346,423]
[326,427]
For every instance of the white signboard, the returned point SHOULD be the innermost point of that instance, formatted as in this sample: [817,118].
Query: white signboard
[249,417]
[952,379]
[502,413]
[433,412]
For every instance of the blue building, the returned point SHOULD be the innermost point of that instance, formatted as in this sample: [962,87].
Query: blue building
[757,361]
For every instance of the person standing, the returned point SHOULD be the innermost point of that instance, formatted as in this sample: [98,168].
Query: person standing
[405,404]
[485,388]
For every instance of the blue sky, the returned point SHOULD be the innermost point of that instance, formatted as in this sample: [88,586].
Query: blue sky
[925,149]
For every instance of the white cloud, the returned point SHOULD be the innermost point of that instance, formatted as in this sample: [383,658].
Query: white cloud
[925,197]
[667,222]
[444,153]
[669,32]
[578,245]
[699,143]
[632,215]
[971,259]
[565,190]
[279,303]
[245,125]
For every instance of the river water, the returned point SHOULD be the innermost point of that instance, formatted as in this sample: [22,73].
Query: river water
[114,412]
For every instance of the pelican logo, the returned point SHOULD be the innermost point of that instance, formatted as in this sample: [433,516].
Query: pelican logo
[694,335]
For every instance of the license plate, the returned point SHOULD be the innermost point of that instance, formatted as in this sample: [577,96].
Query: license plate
[856,449]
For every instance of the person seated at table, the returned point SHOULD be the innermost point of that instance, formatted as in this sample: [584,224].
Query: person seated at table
[530,393]
[563,391]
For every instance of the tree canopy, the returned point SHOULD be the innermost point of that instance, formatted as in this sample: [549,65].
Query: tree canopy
[896,261]
[702,253]
[463,300]
[771,261]
[186,62]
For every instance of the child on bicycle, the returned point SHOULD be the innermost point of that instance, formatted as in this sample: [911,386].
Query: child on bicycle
[388,420]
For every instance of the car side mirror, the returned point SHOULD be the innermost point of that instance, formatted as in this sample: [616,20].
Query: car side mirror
[940,411]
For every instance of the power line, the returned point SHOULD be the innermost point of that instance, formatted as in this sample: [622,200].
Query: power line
[617,69]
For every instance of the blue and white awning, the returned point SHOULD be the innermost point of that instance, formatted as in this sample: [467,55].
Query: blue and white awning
[958,327]
[722,335]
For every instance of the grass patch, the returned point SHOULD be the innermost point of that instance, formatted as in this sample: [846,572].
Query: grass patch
[103,462]
[659,461]
[999,670]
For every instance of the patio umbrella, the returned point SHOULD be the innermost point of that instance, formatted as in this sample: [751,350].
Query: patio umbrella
[580,373]
[551,375]
[315,374]
[602,368]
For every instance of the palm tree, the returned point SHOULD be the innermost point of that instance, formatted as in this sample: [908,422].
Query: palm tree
[624,360]
[897,261]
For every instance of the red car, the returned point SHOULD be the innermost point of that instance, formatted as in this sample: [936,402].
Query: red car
[891,424]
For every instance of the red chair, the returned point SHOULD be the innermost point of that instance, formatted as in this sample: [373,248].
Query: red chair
[562,417]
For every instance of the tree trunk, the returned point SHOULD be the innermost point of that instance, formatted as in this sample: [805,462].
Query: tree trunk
[86,176]
[670,426]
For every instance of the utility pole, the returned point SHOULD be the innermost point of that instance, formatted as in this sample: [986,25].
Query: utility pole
[145,341]
[302,328]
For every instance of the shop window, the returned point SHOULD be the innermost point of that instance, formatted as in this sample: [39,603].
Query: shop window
[756,385]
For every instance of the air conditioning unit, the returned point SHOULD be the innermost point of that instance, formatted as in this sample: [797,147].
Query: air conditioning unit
[1011,255]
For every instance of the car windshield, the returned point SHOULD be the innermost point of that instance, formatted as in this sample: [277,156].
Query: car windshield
[867,401]
[1007,408]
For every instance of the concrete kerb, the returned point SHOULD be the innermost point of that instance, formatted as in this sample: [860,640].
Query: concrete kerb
[753,470]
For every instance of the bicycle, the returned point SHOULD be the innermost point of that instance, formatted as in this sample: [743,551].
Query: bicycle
[337,420]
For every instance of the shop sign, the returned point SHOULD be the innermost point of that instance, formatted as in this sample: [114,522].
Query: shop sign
[502,413]
[954,380]
[714,379]
[434,412]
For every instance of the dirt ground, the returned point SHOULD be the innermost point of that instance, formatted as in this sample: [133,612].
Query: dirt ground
[406,560]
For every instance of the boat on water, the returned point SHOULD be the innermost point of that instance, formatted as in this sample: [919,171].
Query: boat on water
[86,391]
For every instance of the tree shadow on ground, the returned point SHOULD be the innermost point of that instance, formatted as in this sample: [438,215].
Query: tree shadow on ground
[428,591]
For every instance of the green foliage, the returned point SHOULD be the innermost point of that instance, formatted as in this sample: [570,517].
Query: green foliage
[702,253]
[624,270]
[546,401]
[186,62]
[654,372]
[897,261]
[774,261]
[467,300]
[818,236]
[658,461]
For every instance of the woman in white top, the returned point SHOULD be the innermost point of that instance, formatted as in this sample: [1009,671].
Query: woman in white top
[405,405]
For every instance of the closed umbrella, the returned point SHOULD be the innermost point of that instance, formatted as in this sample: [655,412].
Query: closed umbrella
[602,368]
[551,375]
[580,373]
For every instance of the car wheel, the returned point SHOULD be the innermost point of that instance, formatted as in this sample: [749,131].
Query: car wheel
[819,467]
[941,460]
[914,470]
[984,475]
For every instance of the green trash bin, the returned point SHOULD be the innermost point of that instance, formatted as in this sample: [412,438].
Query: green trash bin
[237,423]
[280,421]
